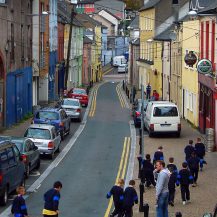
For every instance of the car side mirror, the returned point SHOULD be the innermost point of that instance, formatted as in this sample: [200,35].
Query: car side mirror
[35,148]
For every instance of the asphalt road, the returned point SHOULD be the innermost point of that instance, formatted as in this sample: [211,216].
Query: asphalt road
[90,168]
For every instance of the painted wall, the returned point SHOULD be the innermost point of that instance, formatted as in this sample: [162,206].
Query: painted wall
[86,68]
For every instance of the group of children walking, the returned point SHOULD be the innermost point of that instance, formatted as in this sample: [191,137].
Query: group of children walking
[188,174]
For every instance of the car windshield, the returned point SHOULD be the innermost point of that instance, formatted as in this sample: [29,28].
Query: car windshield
[47,115]
[19,144]
[38,133]
[79,91]
[70,102]
[165,111]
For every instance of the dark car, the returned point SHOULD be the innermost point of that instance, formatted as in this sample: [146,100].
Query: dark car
[56,117]
[136,111]
[12,169]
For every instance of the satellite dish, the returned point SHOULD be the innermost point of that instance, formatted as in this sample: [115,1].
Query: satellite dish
[173,36]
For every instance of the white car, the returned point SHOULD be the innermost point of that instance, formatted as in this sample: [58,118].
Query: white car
[123,68]
[45,137]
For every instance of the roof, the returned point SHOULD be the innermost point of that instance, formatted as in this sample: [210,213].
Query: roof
[87,1]
[165,35]
[210,9]
[135,23]
[87,21]
[149,4]
[42,126]
[109,12]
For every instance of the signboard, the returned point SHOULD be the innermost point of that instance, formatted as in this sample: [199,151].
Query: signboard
[190,58]
[204,66]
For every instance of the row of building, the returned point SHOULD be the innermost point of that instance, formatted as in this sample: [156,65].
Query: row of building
[34,44]
[168,34]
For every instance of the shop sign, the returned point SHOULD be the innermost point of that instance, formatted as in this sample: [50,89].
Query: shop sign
[190,58]
[204,66]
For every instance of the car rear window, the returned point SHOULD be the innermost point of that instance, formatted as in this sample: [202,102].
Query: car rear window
[19,144]
[165,111]
[70,102]
[79,91]
[38,133]
[47,115]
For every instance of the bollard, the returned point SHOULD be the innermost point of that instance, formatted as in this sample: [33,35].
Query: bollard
[146,210]
[178,214]
[141,191]
[140,166]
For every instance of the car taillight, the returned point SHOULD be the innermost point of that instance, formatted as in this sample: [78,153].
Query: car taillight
[61,124]
[1,178]
[24,158]
[50,145]
[78,110]
[179,127]
[151,126]
[138,114]
[85,97]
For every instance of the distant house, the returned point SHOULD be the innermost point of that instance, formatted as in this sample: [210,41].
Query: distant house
[86,6]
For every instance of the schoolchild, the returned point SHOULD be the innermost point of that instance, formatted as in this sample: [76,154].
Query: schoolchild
[117,192]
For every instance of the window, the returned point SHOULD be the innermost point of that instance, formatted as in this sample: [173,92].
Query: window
[190,101]
[12,42]
[47,115]
[11,157]
[3,159]
[17,153]
[165,111]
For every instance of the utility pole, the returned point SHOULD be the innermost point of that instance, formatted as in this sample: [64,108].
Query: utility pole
[69,47]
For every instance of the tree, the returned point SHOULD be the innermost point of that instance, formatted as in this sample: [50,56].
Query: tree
[134,4]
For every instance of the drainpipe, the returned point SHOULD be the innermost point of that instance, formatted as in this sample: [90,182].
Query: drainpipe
[162,75]
[170,69]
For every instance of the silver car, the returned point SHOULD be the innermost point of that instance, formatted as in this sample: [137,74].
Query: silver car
[72,108]
[45,137]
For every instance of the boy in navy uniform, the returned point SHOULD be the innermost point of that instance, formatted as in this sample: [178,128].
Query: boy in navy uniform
[171,166]
[118,196]
[185,178]
[188,150]
[51,201]
[158,155]
[19,208]
[193,164]
[147,171]
[200,151]
[130,198]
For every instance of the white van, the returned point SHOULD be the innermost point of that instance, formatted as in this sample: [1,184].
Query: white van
[119,60]
[162,117]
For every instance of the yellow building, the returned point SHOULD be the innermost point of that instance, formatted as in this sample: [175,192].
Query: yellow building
[190,98]
[150,65]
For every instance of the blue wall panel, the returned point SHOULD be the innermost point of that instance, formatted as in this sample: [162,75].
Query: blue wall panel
[51,77]
[18,95]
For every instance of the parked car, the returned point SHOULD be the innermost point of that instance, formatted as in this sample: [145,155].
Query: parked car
[72,108]
[45,137]
[123,68]
[79,93]
[136,111]
[12,169]
[118,60]
[56,117]
[29,152]
[162,117]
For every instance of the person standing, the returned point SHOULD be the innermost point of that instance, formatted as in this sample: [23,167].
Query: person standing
[162,191]
[188,150]
[118,196]
[200,150]
[130,198]
[158,155]
[148,91]
[185,178]
[19,208]
[51,201]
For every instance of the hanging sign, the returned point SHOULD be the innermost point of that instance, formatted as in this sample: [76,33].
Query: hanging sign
[204,66]
[190,58]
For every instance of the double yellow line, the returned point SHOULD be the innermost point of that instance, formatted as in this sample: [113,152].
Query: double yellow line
[120,96]
[93,102]
[107,71]
[122,169]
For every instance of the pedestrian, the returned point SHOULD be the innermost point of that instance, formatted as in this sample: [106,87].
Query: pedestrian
[51,200]
[171,166]
[158,155]
[200,150]
[19,208]
[148,91]
[117,192]
[147,175]
[172,185]
[130,198]
[193,164]
[188,150]
[155,96]
[162,191]
[185,178]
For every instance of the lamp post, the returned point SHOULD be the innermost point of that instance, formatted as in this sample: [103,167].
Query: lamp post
[73,3]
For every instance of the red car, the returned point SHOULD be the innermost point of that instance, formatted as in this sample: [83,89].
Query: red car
[79,93]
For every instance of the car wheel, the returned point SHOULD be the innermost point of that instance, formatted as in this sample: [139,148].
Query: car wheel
[68,132]
[178,134]
[79,119]
[58,149]
[51,156]
[27,171]
[62,135]
[150,134]
[38,164]
[4,197]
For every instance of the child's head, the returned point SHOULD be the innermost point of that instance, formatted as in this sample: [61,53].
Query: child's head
[198,139]
[57,185]
[160,148]
[184,165]
[171,160]
[191,142]
[148,157]
[132,182]
[121,182]
[20,190]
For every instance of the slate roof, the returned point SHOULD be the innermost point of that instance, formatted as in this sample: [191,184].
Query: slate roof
[87,21]
[87,40]
[135,23]
[109,12]
[149,4]
[210,8]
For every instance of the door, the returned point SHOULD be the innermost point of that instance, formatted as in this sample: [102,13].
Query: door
[19,97]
